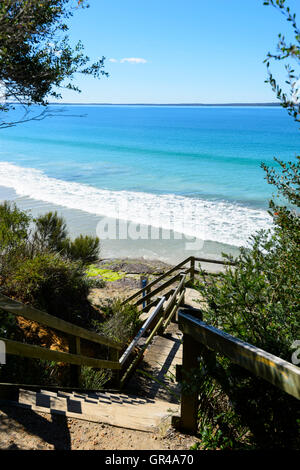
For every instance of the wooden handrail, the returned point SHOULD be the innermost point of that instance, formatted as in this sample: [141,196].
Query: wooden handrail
[31,313]
[141,353]
[192,270]
[214,261]
[172,301]
[142,331]
[160,325]
[29,350]
[199,338]
[76,333]
[275,370]
[173,309]
[158,289]
[181,284]
[154,302]
[158,279]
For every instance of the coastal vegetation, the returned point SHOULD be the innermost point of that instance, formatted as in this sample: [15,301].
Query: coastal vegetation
[108,275]
[42,266]
[122,321]
[255,300]
[36,56]
[258,302]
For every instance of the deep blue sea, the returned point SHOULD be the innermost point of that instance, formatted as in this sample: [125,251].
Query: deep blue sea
[194,169]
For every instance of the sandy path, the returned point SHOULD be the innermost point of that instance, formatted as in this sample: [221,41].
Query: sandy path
[28,430]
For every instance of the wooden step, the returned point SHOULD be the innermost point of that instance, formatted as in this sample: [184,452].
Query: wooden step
[122,410]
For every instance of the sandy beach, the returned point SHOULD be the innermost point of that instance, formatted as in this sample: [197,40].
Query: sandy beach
[169,247]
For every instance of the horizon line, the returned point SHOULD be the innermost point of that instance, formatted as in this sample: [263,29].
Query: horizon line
[167,104]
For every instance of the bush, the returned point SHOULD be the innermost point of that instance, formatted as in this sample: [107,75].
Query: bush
[41,266]
[34,270]
[122,322]
[51,283]
[9,327]
[258,302]
[14,227]
[51,234]
[93,379]
[48,234]
[51,231]
[238,410]
[83,248]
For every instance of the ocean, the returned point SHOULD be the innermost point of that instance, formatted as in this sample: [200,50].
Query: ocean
[189,170]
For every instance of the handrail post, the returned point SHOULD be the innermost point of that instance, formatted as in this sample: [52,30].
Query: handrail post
[191,350]
[148,291]
[161,330]
[180,305]
[189,398]
[144,282]
[75,371]
[116,375]
[182,289]
[192,274]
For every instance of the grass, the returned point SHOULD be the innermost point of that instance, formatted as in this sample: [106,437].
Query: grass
[106,274]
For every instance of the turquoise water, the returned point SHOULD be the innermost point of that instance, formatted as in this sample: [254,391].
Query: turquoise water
[197,167]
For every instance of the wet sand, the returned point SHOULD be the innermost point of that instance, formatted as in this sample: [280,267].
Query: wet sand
[167,246]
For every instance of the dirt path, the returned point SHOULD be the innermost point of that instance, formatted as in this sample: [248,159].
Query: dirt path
[28,430]
[122,277]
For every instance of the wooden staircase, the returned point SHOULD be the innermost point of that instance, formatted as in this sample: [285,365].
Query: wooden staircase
[149,392]
[117,409]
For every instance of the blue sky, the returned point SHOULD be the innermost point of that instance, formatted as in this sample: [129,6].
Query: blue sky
[203,51]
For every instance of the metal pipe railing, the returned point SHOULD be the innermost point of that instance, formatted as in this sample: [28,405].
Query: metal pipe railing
[141,332]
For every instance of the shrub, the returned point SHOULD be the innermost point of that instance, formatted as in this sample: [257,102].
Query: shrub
[14,226]
[83,248]
[35,269]
[257,301]
[9,327]
[51,283]
[122,321]
[44,268]
[238,410]
[51,231]
[93,379]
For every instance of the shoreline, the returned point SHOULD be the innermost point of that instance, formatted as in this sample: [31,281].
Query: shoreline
[223,221]
[170,247]
[200,105]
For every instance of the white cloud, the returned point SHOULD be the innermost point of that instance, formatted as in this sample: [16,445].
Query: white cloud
[112,60]
[133,60]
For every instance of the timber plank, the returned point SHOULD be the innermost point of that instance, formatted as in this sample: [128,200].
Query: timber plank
[31,313]
[30,350]
[275,370]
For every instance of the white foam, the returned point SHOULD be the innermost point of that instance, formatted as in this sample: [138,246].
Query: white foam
[219,221]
